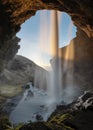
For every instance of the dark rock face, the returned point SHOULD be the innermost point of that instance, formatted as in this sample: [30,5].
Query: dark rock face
[77,61]
[16,12]
[39,117]
[85,101]
[13,13]
[82,47]
[8,49]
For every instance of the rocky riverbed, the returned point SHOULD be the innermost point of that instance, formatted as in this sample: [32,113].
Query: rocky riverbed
[77,115]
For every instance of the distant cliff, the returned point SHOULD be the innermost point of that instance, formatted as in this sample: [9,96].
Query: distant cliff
[21,70]
[77,62]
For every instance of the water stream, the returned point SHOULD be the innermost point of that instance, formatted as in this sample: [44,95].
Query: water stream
[32,105]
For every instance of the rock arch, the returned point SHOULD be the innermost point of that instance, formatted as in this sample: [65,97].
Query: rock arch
[14,12]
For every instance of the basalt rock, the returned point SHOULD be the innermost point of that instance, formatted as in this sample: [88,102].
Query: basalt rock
[77,62]
[15,12]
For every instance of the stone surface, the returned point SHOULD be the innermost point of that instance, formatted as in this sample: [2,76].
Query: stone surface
[79,49]
[8,49]
[77,62]
[85,101]
[66,117]
[15,12]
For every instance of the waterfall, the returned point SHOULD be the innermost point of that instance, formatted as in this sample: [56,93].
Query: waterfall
[55,82]
[53,87]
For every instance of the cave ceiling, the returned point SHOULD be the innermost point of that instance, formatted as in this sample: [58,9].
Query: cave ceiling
[16,12]
[13,13]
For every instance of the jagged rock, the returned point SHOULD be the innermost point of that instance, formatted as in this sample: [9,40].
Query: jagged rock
[35,126]
[27,86]
[13,13]
[77,63]
[79,49]
[16,12]
[39,117]
[30,94]
[85,101]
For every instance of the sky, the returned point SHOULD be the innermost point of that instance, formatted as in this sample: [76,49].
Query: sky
[35,34]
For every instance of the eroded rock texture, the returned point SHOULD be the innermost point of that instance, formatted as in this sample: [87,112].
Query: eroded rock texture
[77,62]
[14,12]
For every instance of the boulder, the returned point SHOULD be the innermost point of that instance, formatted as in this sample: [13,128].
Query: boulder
[39,117]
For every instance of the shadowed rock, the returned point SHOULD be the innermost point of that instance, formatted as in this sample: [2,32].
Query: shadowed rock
[13,13]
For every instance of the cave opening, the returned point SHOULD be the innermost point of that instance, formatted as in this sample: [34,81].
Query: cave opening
[50,84]
[25,100]
[34,36]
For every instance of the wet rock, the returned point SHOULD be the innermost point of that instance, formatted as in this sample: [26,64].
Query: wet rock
[35,126]
[85,101]
[39,117]
[30,94]
[27,86]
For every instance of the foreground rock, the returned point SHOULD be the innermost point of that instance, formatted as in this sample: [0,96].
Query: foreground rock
[65,117]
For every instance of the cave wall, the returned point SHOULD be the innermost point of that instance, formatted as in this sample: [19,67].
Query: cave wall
[82,47]
[15,12]
[77,69]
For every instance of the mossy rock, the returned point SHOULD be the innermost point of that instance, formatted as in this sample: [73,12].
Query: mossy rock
[35,126]
[55,123]
[4,123]
[58,122]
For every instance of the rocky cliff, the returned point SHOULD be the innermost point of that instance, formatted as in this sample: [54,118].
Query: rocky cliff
[14,12]
[21,70]
[77,62]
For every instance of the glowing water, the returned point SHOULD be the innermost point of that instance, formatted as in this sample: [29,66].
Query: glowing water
[55,83]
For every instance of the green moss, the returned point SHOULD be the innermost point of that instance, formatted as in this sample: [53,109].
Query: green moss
[55,123]
[14,128]
[58,122]
[4,123]
[9,90]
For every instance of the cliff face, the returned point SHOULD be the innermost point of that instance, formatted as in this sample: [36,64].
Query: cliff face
[80,48]
[14,12]
[77,62]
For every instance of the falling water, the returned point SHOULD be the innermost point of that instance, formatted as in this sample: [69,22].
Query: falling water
[55,83]
[40,76]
